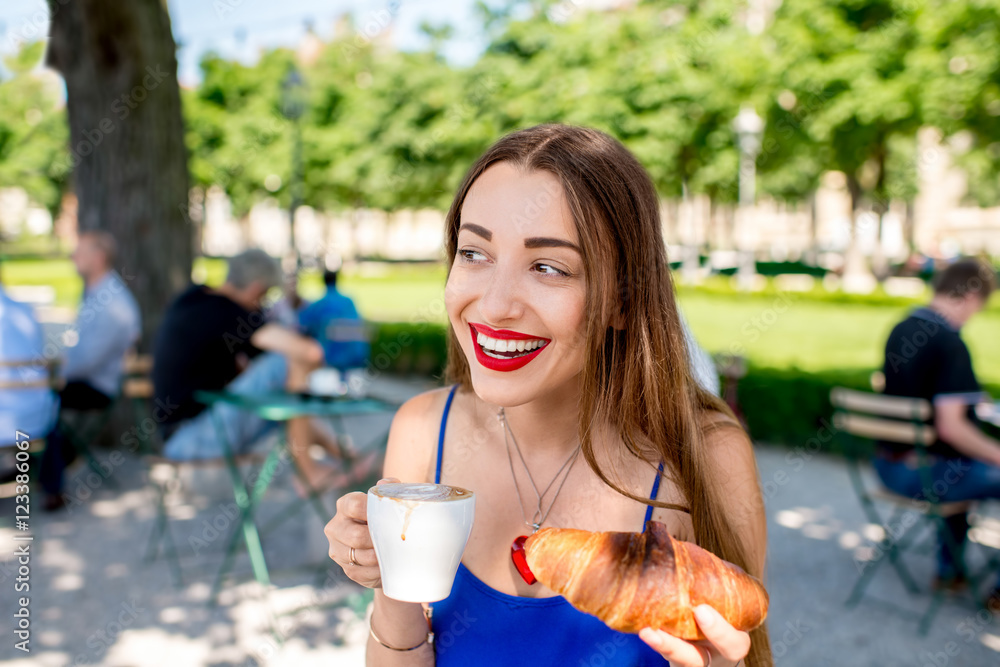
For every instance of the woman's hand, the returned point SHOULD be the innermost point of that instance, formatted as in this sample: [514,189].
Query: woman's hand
[349,529]
[725,646]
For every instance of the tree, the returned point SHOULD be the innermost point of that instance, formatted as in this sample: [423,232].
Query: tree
[127,140]
[960,61]
[849,91]
[33,133]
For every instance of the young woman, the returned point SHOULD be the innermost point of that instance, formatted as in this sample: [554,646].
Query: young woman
[572,405]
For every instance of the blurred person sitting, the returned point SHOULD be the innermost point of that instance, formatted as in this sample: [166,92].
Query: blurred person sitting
[925,357]
[107,326]
[334,321]
[30,410]
[285,311]
[218,339]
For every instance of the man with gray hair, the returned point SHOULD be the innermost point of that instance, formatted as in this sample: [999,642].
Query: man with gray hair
[217,338]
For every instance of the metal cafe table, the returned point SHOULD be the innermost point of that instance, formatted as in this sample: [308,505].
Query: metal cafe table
[278,407]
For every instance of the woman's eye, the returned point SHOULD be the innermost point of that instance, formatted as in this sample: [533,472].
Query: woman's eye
[549,270]
[471,255]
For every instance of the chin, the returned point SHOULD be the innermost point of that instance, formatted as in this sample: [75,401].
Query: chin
[510,390]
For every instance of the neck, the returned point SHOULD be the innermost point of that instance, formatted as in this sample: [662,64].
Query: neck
[231,293]
[95,277]
[947,309]
[549,425]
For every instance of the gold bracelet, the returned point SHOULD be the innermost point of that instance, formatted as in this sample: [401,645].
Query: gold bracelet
[429,639]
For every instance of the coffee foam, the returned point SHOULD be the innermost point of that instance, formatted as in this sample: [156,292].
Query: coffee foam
[421,492]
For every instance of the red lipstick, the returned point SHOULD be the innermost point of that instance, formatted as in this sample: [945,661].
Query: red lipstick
[503,365]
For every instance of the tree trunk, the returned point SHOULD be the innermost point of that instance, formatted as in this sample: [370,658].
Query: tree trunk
[854,263]
[813,252]
[127,140]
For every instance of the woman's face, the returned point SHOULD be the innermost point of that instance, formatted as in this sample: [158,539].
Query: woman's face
[516,293]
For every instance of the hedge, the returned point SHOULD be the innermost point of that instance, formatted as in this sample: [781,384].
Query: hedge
[787,407]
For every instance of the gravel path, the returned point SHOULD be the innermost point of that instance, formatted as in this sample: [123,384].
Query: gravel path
[94,600]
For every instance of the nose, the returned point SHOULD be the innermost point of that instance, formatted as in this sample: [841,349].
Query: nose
[502,298]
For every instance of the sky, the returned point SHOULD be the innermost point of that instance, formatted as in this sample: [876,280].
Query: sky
[240,29]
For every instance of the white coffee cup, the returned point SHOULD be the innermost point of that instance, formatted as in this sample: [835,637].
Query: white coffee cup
[419,532]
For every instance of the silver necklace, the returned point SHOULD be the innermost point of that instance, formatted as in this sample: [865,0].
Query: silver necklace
[538,518]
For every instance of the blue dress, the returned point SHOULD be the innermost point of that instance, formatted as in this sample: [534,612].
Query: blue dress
[478,626]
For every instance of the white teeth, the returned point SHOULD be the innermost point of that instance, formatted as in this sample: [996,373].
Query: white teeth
[506,345]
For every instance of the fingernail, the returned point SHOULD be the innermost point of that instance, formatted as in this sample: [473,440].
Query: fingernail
[650,636]
[703,614]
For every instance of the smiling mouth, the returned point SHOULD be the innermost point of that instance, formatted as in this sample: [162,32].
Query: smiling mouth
[500,348]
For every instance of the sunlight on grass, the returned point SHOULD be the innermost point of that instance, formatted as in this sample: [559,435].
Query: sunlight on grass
[810,335]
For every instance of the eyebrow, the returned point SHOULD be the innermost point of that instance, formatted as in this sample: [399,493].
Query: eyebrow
[546,242]
[477,230]
[532,242]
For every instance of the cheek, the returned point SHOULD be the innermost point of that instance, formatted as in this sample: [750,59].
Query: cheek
[568,318]
[457,295]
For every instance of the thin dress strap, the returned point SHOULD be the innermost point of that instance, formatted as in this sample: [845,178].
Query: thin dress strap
[444,421]
[652,495]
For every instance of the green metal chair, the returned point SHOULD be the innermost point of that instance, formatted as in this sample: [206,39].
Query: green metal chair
[862,416]
[83,428]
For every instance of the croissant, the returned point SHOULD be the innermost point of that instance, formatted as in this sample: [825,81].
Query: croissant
[636,580]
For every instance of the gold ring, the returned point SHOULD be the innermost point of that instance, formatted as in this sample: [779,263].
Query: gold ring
[352,561]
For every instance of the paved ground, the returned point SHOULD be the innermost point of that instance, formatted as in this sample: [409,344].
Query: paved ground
[94,600]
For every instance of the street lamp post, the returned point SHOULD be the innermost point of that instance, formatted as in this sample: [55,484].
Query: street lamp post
[749,128]
[293,106]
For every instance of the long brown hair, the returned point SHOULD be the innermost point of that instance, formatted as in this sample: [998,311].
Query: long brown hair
[636,376]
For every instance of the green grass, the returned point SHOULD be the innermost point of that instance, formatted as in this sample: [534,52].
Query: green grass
[819,336]
[802,333]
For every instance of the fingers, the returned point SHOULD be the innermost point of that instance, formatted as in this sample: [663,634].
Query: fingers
[723,641]
[387,480]
[353,506]
[679,652]
[729,642]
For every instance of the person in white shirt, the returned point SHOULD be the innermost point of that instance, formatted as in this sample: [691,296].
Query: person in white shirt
[107,325]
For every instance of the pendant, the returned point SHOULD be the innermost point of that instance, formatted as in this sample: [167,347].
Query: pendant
[517,554]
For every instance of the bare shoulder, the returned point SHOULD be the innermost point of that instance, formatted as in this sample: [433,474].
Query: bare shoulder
[734,481]
[412,445]
[729,451]
[724,437]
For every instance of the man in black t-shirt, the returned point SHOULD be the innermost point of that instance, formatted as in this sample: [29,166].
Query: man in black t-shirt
[214,339]
[925,357]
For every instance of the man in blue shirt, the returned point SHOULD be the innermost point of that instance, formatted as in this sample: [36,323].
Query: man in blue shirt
[107,326]
[335,323]
[30,411]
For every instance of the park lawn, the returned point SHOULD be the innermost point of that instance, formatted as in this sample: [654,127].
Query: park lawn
[819,336]
[768,330]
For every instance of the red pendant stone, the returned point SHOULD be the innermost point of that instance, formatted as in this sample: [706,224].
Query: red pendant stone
[520,559]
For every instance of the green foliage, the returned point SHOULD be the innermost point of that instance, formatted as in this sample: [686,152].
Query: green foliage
[33,129]
[960,62]
[409,349]
[847,89]
[842,84]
